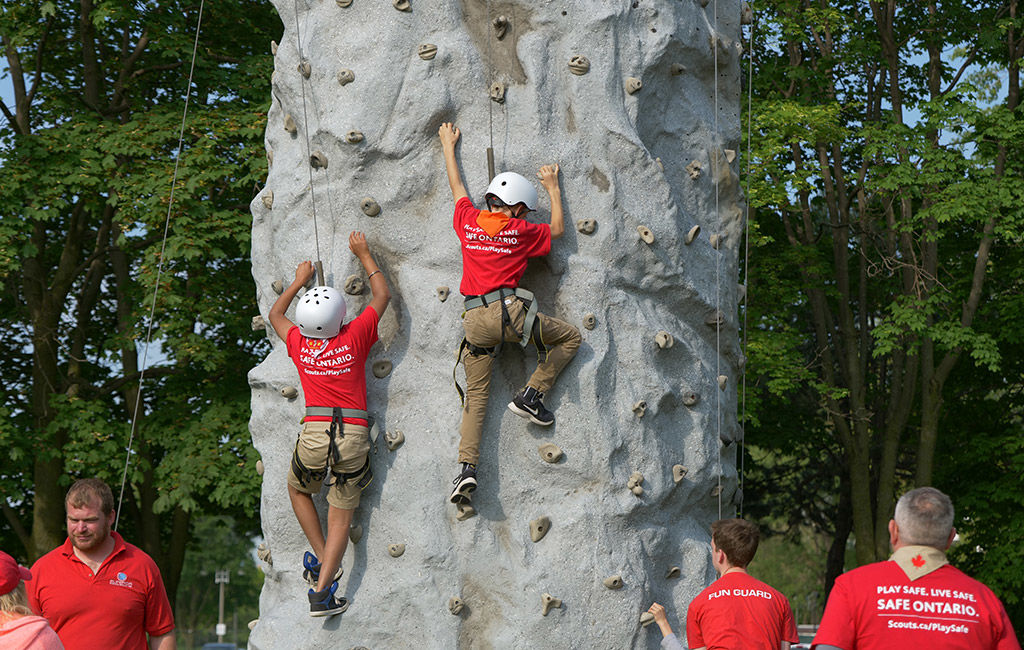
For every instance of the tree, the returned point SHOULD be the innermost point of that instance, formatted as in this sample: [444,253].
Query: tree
[882,184]
[86,162]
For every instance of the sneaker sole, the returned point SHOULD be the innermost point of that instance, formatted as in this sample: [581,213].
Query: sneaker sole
[465,495]
[329,612]
[523,413]
[311,580]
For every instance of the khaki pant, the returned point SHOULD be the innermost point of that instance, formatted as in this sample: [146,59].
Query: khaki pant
[313,450]
[483,329]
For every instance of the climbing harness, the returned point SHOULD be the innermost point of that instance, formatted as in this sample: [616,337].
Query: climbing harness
[531,328]
[159,266]
[335,430]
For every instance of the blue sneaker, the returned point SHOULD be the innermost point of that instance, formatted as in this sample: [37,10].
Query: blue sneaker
[326,602]
[311,569]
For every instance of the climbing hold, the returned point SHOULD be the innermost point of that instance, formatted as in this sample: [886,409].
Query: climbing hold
[346,76]
[497,92]
[646,619]
[645,234]
[273,47]
[730,155]
[673,572]
[715,319]
[716,491]
[318,160]
[259,467]
[746,14]
[402,5]
[289,392]
[354,137]
[500,25]
[613,581]
[640,408]
[715,240]
[442,293]
[664,340]
[550,601]
[369,207]
[394,439]
[741,293]
[633,85]
[353,285]
[677,69]
[694,169]
[586,226]
[722,381]
[396,550]
[427,51]
[678,474]
[704,3]
[263,553]
[464,511]
[539,528]
[690,398]
[635,479]
[343,3]
[637,490]
[579,65]
[270,157]
[691,235]
[455,605]
[355,533]
[289,124]
[589,321]
[305,69]
[277,286]
[253,622]
[550,452]
[268,199]
[258,324]
[381,369]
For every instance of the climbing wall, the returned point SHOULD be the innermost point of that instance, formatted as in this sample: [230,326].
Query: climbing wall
[579,527]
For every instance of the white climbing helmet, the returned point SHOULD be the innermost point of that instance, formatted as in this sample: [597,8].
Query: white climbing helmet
[512,189]
[320,313]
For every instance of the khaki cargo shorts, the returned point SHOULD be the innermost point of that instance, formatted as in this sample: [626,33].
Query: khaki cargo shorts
[313,450]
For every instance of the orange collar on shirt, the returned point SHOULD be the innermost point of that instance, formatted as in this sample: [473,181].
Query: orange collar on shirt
[492,222]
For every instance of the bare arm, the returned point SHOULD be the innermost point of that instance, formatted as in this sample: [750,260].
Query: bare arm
[785,645]
[449,135]
[378,285]
[548,176]
[281,324]
[658,612]
[163,642]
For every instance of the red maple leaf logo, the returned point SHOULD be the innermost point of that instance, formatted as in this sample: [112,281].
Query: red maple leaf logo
[918,561]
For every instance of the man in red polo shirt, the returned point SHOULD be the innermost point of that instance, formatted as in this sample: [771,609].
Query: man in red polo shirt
[737,612]
[915,599]
[98,591]
[496,244]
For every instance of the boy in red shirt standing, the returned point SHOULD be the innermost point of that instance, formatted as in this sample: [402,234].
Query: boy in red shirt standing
[334,440]
[495,247]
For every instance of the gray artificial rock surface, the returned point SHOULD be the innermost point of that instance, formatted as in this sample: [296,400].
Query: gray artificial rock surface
[647,164]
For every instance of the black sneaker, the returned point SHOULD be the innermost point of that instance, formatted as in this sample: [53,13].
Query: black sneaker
[527,404]
[465,484]
[326,603]
[311,569]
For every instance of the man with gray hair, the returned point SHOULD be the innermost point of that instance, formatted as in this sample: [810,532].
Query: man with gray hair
[915,599]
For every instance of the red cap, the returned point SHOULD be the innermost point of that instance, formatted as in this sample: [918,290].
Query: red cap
[11,573]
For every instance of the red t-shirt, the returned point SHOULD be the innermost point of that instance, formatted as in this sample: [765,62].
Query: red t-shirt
[490,263]
[333,371]
[878,606]
[739,612]
[113,609]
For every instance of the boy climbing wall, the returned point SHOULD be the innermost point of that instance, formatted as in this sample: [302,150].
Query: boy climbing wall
[334,440]
[496,244]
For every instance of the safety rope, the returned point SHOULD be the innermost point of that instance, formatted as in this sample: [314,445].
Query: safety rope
[746,259]
[159,267]
[718,263]
[490,102]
